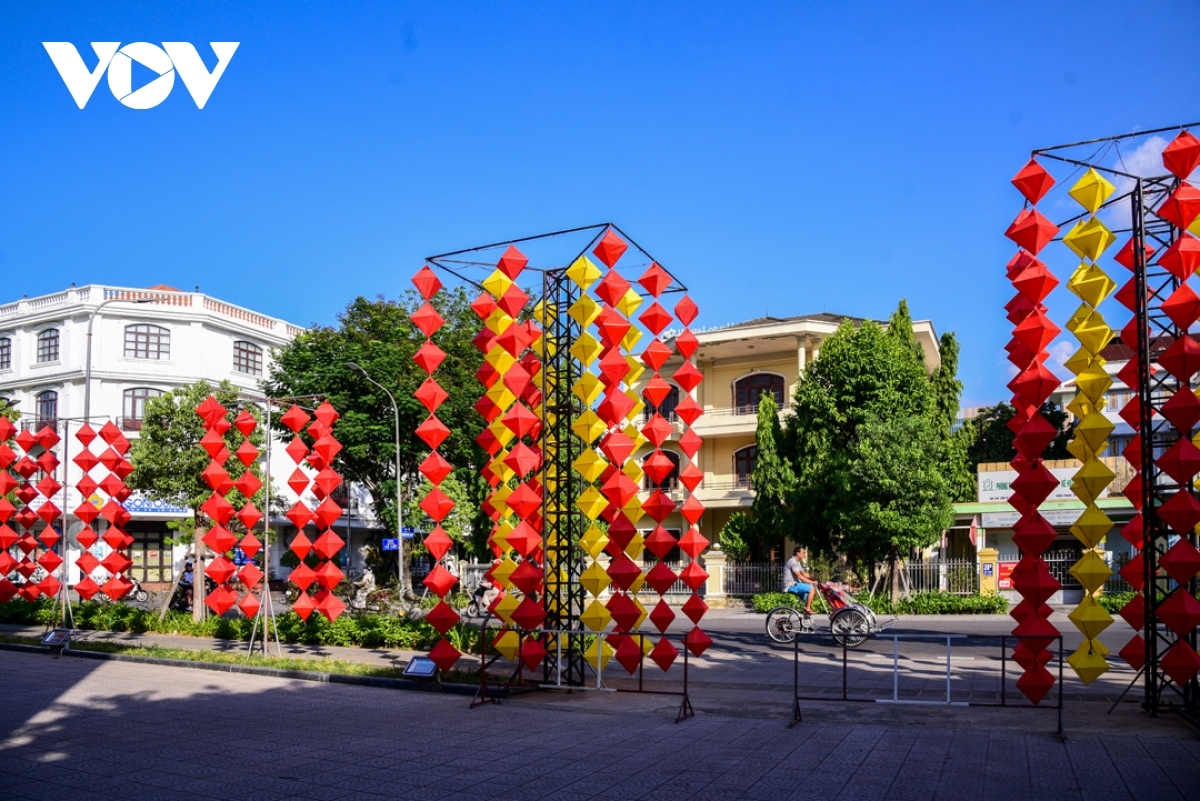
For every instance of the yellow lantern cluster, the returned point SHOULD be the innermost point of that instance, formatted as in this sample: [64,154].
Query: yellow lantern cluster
[1088,239]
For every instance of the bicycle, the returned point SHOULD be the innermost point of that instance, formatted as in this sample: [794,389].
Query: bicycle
[850,623]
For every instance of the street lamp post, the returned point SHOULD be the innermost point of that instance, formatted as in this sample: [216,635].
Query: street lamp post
[354,368]
[87,368]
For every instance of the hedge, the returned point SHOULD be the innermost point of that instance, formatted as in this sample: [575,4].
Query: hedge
[922,603]
[369,631]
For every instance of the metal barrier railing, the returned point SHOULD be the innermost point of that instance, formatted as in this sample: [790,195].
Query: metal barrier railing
[895,699]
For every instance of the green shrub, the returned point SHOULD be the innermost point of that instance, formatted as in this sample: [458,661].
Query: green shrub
[924,603]
[765,602]
[1114,601]
[370,631]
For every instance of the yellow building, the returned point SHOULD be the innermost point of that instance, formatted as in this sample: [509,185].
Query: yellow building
[740,363]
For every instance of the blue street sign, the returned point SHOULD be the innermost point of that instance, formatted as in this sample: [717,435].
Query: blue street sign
[391,544]
[407,533]
[406,530]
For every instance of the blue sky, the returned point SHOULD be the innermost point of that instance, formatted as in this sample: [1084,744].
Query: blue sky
[779,157]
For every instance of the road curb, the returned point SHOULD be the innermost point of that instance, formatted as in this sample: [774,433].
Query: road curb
[278,673]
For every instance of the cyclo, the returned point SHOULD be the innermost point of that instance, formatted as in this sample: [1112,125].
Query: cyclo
[850,622]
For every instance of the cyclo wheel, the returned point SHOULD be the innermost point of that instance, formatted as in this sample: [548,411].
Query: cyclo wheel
[783,624]
[849,627]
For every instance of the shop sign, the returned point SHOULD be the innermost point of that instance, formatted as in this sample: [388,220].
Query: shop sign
[996,485]
[1055,517]
[1005,578]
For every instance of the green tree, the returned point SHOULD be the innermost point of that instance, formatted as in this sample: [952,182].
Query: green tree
[379,336]
[772,480]
[992,439]
[869,442]
[167,458]
[732,538]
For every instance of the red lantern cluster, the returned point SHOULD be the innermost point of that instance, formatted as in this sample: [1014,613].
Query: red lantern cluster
[218,508]
[320,458]
[1032,333]
[433,432]
[34,508]
[1180,511]
[658,467]
[113,449]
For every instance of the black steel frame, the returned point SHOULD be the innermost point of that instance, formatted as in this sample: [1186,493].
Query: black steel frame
[563,522]
[1155,332]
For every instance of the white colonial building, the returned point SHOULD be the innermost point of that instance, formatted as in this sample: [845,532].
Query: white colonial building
[144,342]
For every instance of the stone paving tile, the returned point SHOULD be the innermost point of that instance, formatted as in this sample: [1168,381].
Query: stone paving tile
[594,748]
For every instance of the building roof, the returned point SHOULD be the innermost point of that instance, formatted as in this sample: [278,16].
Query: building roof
[820,317]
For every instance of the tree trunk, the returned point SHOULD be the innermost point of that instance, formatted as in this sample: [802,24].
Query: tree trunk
[894,578]
[199,609]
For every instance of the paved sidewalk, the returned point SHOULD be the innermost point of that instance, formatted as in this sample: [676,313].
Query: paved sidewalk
[75,728]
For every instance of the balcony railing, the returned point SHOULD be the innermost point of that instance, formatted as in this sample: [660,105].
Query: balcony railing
[130,423]
[739,483]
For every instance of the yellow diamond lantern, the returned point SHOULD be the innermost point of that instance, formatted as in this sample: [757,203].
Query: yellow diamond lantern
[500,537]
[594,579]
[636,546]
[584,310]
[1195,227]
[629,302]
[505,607]
[500,359]
[1079,361]
[1091,571]
[636,586]
[1087,662]
[1093,382]
[1091,284]
[593,541]
[591,503]
[633,509]
[1089,238]
[504,571]
[1080,406]
[634,471]
[635,371]
[590,465]
[635,434]
[635,411]
[587,388]
[1090,618]
[1092,526]
[1090,481]
[498,322]
[598,653]
[497,283]
[507,644]
[647,646]
[588,426]
[595,617]
[501,431]
[586,348]
[499,498]
[500,468]
[1093,333]
[1095,430]
[630,341]
[1091,190]
[583,272]
[539,313]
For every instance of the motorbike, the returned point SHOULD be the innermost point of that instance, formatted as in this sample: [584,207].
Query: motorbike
[137,592]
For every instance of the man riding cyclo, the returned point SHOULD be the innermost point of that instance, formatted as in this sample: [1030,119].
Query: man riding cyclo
[798,581]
